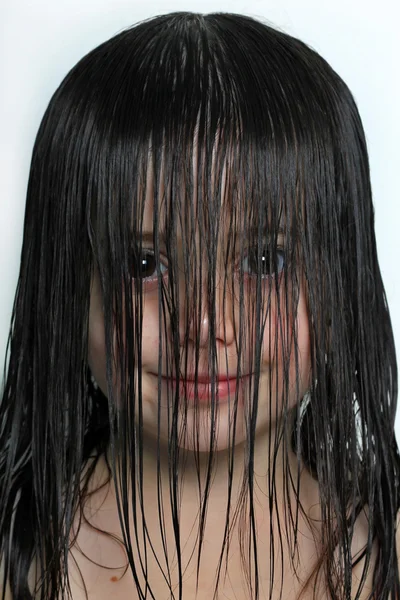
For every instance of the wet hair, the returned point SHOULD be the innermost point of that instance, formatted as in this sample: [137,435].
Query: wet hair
[244,132]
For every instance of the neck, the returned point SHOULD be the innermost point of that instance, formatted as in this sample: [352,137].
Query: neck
[222,522]
[224,474]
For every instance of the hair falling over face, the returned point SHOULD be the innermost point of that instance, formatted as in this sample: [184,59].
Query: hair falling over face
[199,237]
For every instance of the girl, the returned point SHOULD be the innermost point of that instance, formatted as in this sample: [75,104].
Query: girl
[202,382]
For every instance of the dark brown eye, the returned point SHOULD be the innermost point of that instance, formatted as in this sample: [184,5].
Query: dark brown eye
[145,265]
[263,264]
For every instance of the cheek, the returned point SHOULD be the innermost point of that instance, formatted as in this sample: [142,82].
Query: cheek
[275,338]
[304,348]
[150,329]
[97,350]
[96,343]
[279,341]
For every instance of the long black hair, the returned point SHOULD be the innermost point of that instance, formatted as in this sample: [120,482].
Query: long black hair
[244,131]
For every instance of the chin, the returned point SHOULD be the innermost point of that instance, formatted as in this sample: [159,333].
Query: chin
[197,425]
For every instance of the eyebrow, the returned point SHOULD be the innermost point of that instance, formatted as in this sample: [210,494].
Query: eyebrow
[149,236]
[254,231]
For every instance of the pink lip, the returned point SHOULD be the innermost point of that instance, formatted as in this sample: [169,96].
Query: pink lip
[223,387]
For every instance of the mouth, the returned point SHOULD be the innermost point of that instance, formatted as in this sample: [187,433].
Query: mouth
[202,388]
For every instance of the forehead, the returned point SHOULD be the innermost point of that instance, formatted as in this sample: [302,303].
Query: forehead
[194,196]
[207,196]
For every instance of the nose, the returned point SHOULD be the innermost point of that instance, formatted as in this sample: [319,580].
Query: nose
[200,315]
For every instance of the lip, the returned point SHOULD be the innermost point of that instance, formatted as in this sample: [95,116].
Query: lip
[224,387]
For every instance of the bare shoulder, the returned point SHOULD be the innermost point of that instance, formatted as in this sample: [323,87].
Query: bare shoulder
[2,580]
[398,534]
[358,547]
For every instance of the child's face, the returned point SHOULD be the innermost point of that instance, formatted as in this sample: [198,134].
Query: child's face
[276,341]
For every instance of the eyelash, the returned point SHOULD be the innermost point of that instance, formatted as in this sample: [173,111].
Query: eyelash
[153,276]
[274,267]
[269,268]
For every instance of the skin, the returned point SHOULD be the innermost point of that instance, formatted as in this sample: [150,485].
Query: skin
[195,421]
[270,386]
[93,550]
[101,508]
[233,584]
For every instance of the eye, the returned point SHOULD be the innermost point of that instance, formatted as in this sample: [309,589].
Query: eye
[145,264]
[263,264]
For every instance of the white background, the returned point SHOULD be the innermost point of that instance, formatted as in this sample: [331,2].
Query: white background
[41,40]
